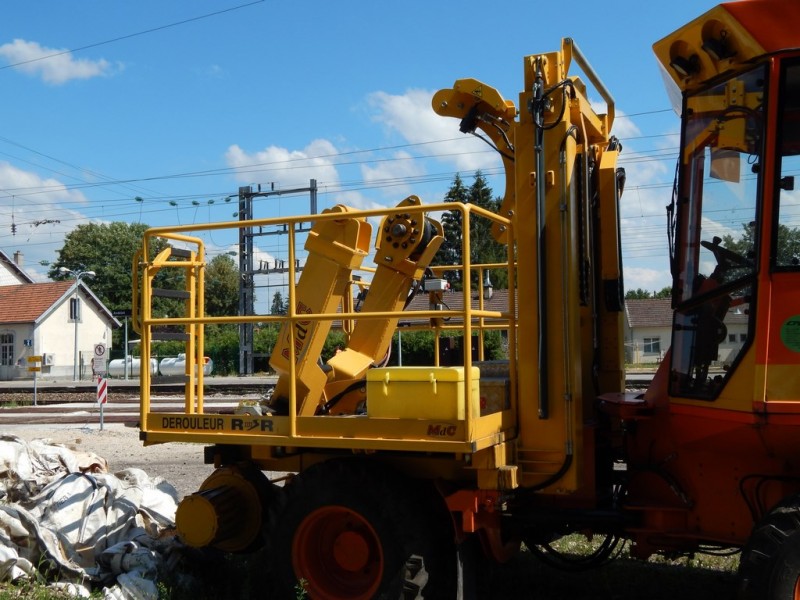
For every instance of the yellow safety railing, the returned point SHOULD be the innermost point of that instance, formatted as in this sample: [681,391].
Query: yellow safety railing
[468,319]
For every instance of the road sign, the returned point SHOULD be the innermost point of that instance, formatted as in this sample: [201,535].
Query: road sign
[99,360]
[122,312]
[34,369]
[34,359]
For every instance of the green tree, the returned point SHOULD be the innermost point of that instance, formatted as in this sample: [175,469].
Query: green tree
[450,252]
[222,287]
[483,247]
[640,294]
[222,346]
[279,305]
[788,244]
[637,294]
[418,347]
[744,245]
[108,250]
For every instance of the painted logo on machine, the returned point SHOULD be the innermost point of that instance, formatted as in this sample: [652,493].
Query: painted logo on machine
[302,330]
[440,430]
[217,423]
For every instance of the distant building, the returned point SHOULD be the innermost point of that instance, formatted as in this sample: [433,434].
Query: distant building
[648,331]
[41,319]
[11,271]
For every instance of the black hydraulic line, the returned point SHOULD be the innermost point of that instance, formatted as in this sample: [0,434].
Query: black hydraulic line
[326,408]
[565,562]
[494,147]
[521,492]
[537,108]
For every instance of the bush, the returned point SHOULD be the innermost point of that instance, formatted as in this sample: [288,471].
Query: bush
[418,348]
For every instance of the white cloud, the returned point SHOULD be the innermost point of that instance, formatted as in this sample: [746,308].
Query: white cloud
[41,219]
[411,116]
[33,189]
[624,128]
[395,175]
[359,201]
[646,278]
[287,168]
[263,259]
[648,191]
[215,71]
[54,65]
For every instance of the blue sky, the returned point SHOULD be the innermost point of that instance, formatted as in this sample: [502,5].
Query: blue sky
[182,106]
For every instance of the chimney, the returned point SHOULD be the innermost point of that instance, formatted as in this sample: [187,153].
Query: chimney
[18,258]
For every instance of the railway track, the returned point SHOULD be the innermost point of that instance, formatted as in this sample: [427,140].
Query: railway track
[116,410]
[76,403]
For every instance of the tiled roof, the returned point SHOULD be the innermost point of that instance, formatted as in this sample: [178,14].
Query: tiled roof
[649,312]
[27,302]
[657,312]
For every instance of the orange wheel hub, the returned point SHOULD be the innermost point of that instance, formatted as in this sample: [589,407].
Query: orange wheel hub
[338,554]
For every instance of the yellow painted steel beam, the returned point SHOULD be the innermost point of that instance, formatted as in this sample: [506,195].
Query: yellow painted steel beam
[335,432]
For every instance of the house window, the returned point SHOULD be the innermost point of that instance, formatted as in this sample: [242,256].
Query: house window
[652,345]
[6,349]
[74,310]
[743,337]
[731,337]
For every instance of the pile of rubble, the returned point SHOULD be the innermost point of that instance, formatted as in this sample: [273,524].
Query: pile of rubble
[65,520]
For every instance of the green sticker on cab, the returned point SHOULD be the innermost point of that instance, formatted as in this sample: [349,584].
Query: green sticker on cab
[790,333]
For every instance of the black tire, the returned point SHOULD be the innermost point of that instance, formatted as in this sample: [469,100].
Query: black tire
[474,570]
[395,548]
[770,565]
[271,497]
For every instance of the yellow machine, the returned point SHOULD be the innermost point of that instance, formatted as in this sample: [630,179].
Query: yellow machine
[395,472]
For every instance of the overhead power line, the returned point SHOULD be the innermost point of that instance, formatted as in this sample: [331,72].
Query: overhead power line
[647,112]
[131,35]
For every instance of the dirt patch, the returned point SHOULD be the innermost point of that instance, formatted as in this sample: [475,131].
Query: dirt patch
[180,464]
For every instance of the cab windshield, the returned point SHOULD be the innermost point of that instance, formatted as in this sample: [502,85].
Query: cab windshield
[715,231]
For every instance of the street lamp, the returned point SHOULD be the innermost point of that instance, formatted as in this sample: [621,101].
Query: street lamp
[76,313]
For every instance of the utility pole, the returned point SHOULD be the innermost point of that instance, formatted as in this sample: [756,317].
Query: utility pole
[247,270]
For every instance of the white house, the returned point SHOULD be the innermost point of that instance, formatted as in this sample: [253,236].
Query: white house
[11,271]
[50,320]
[648,331]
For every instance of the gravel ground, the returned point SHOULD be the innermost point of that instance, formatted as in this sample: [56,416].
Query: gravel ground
[179,463]
[22,399]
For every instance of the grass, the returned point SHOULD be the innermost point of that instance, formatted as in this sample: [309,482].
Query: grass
[29,590]
[697,577]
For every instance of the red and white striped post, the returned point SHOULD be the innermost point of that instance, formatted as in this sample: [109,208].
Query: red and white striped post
[102,396]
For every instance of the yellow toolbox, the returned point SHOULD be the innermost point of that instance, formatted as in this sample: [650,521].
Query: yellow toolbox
[421,392]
